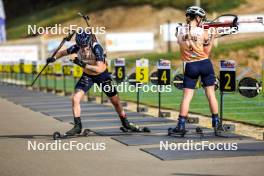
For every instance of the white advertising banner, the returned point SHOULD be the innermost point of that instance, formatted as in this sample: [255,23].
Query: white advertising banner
[251,25]
[17,52]
[135,41]
[168,31]
[246,24]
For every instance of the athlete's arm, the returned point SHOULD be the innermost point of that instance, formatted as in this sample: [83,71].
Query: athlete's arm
[58,55]
[208,42]
[73,49]
[98,68]
[100,60]
[61,54]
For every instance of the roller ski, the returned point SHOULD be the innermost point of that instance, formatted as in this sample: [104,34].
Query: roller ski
[200,132]
[183,132]
[180,130]
[177,132]
[131,127]
[57,135]
[76,131]
[219,129]
[217,126]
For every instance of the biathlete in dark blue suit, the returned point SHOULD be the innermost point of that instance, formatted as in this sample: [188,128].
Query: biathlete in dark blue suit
[90,56]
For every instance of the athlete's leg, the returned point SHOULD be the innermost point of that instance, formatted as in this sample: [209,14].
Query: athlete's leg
[210,93]
[115,100]
[76,103]
[106,83]
[213,104]
[191,75]
[184,109]
[76,110]
[83,85]
[208,80]
[186,100]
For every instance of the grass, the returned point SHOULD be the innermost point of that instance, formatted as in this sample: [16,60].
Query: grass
[236,107]
[17,27]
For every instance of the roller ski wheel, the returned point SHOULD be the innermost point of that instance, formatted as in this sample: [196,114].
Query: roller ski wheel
[199,131]
[142,130]
[57,135]
[86,132]
[137,130]
[219,131]
[175,132]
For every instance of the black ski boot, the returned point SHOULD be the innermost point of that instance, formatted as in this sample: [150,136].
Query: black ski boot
[128,126]
[218,128]
[179,129]
[77,129]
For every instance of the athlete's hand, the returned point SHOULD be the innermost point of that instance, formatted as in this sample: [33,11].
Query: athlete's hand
[50,60]
[79,62]
[213,33]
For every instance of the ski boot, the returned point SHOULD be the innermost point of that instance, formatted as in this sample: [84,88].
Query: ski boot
[218,128]
[128,126]
[179,130]
[74,132]
[77,129]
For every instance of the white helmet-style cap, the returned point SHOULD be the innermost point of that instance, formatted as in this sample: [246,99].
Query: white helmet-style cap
[195,10]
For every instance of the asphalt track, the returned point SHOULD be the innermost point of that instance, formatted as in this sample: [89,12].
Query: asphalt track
[29,116]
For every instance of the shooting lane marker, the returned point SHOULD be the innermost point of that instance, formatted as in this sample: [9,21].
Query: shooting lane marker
[120,73]
[142,77]
[164,68]
[227,84]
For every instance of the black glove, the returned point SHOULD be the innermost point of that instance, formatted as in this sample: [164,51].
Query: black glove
[79,62]
[50,60]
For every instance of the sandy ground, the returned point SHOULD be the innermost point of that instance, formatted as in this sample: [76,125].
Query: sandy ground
[20,125]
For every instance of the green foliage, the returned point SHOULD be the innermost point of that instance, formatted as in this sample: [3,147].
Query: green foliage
[220,5]
[222,49]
